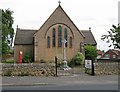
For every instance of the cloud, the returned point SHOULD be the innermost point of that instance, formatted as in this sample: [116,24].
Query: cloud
[98,14]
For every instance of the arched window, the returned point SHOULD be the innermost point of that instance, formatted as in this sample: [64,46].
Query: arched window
[65,36]
[70,42]
[48,42]
[53,37]
[59,36]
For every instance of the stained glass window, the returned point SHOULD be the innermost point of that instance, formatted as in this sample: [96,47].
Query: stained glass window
[65,36]
[48,42]
[53,37]
[59,36]
[70,42]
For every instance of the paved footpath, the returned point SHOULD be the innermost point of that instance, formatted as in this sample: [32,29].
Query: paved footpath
[60,80]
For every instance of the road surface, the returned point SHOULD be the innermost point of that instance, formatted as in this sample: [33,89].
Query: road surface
[77,82]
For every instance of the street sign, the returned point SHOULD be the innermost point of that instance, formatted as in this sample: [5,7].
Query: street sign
[88,64]
[89,67]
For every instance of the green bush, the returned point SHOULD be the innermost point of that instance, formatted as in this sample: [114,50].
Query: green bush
[78,59]
[7,61]
[11,52]
[88,71]
[71,63]
[27,58]
[90,52]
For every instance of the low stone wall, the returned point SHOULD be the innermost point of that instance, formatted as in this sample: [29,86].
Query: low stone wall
[44,69]
[33,69]
[108,60]
[106,68]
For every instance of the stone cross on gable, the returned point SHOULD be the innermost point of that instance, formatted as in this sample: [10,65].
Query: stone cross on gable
[59,2]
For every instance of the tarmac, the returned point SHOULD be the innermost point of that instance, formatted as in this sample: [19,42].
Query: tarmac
[60,80]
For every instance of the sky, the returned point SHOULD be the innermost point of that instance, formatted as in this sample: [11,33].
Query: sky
[100,15]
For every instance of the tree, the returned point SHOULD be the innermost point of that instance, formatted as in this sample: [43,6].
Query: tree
[90,52]
[114,36]
[7,30]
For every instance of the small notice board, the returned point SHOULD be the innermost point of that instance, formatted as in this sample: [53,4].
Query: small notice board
[89,67]
[88,64]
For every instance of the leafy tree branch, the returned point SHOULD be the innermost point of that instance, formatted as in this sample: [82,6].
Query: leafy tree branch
[114,36]
[7,30]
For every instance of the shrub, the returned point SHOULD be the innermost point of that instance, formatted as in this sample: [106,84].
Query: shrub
[88,71]
[27,58]
[8,61]
[78,59]
[90,52]
[71,63]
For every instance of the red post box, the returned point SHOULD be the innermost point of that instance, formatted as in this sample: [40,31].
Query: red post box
[20,57]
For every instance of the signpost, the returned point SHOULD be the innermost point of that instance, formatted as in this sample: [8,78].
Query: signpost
[88,64]
[55,66]
[89,67]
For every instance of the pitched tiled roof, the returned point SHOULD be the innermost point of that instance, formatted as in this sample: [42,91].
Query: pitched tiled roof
[24,36]
[99,52]
[89,38]
[116,51]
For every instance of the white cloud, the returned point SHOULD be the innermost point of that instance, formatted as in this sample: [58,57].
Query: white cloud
[98,14]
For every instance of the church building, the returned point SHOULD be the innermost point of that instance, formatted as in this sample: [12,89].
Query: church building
[48,41]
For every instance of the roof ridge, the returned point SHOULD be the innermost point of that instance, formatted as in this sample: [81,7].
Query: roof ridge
[109,50]
[27,29]
[85,30]
[115,51]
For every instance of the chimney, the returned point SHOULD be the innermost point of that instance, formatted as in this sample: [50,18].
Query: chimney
[17,28]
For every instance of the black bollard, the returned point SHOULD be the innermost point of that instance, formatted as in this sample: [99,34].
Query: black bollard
[55,66]
[92,68]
